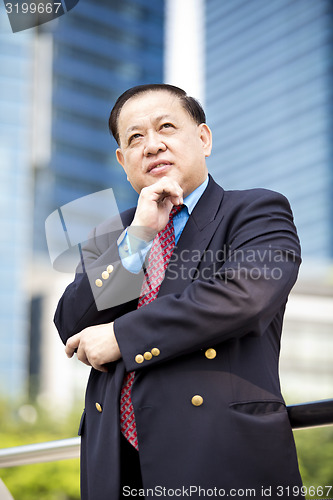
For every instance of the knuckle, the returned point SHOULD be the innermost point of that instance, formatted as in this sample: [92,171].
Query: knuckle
[81,356]
[92,357]
[83,344]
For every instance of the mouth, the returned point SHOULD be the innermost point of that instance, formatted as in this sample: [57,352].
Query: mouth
[158,166]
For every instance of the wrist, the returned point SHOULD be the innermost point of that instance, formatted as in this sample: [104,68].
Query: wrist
[141,232]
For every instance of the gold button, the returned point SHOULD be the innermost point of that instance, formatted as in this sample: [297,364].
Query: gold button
[109,269]
[155,351]
[210,353]
[99,283]
[147,355]
[197,400]
[126,248]
[98,407]
[139,358]
[105,275]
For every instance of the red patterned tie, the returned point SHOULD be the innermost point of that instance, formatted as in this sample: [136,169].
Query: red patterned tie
[161,251]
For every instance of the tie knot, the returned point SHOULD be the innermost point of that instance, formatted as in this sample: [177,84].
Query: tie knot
[175,210]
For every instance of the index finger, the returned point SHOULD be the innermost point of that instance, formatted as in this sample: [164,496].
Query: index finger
[72,344]
[167,188]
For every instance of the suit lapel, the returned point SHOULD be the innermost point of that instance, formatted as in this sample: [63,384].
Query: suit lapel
[195,238]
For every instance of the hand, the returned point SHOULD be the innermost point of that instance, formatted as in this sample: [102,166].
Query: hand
[96,346]
[154,206]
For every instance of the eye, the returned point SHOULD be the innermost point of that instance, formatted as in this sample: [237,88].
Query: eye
[133,137]
[167,125]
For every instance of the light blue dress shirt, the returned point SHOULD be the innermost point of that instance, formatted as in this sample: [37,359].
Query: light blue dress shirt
[133,250]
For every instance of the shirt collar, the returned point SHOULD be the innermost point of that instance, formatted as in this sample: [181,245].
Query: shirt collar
[192,199]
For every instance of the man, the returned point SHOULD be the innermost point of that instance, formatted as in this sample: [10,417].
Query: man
[196,355]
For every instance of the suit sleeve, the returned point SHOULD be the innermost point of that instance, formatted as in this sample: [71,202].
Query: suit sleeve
[237,297]
[102,289]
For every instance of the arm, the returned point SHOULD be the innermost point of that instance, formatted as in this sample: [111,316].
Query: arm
[85,304]
[103,289]
[240,297]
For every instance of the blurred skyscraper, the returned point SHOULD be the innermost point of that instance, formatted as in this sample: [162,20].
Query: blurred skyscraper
[269,102]
[16,195]
[97,51]
[58,84]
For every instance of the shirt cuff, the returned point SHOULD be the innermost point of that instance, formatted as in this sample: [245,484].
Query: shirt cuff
[132,251]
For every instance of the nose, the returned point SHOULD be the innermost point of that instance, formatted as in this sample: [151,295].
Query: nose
[153,144]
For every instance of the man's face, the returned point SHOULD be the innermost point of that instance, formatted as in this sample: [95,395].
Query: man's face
[159,138]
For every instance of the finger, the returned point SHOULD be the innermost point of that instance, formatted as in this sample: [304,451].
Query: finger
[82,356]
[72,344]
[168,188]
[100,368]
[176,199]
[90,359]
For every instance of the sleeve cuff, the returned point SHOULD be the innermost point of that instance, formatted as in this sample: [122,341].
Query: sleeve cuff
[132,251]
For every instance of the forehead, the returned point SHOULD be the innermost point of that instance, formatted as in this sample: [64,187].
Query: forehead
[149,106]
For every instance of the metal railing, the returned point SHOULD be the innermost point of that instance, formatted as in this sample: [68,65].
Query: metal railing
[314,414]
[52,451]
[301,416]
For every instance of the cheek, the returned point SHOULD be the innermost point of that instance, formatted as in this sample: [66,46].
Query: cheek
[131,161]
[133,170]
[188,153]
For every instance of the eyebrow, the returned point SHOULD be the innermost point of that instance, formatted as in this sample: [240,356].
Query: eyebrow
[136,127]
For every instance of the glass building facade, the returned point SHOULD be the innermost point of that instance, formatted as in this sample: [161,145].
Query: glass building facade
[100,49]
[58,84]
[16,205]
[269,104]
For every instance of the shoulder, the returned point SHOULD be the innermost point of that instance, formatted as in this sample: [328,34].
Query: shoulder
[260,206]
[258,199]
[248,195]
[240,205]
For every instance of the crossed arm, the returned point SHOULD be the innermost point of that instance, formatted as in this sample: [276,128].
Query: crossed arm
[97,345]
[223,306]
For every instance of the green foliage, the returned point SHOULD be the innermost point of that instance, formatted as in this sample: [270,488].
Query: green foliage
[47,481]
[315,455]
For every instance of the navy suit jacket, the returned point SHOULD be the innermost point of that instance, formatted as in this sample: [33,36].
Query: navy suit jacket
[224,292]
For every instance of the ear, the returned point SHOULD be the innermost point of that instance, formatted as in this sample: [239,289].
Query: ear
[205,135]
[121,160]
[120,157]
